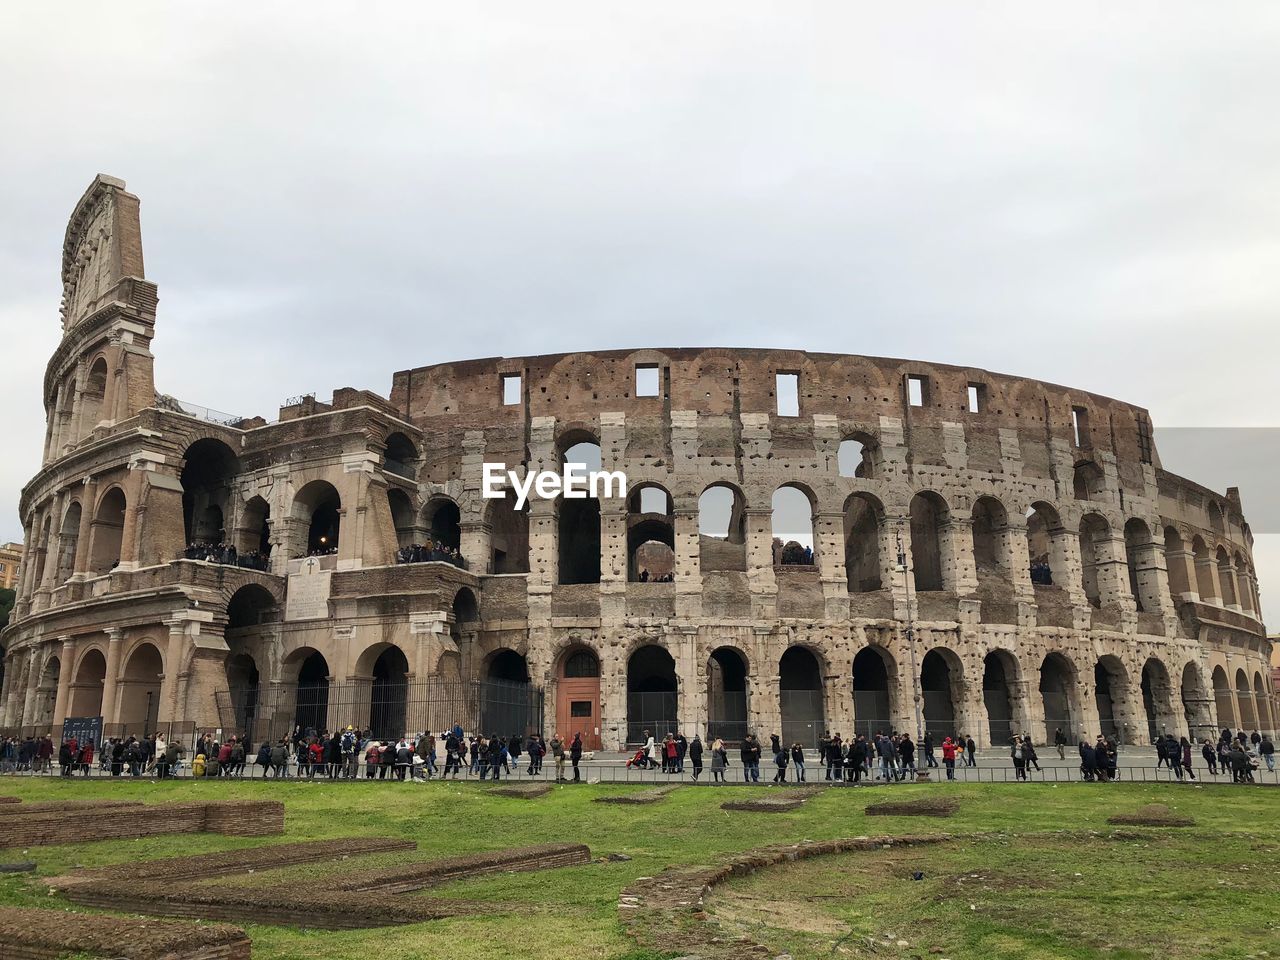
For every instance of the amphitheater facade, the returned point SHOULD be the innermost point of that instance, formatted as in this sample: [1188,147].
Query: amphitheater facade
[987,554]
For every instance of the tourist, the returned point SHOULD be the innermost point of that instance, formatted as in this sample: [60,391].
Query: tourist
[927,746]
[907,755]
[1029,749]
[650,750]
[668,754]
[856,761]
[1210,756]
[1239,761]
[970,749]
[65,758]
[1089,761]
[575,756]
[834,757]
[780,759]
[536,750]
[404,759]
[1185,749]
[750,753]
[719,761]
[797,761]
[557,754]
[1162,752]
[1060,741]
[949,757]
[84,760]
[1018,753]
[682,750]
[515,746]
[173,754]
[695,756]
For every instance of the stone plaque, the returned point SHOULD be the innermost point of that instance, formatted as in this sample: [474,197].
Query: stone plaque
[308,597]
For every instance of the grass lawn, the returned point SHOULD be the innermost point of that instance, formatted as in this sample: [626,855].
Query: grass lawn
[1034,871]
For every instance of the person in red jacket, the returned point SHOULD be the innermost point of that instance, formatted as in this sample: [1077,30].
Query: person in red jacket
[85,757]
[316,749]
[224,758]
[949,757]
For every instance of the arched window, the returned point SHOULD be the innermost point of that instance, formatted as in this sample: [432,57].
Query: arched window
[108,532]
[1139,552]
[722,529]
[990,538]
[856,457]
[1094,534]
[402,517]
[1047,546]
[929,514]
[1088,482]
[319,505]
[68,540]
[863,518]
[209,468]
[1175,559]
[1226,578]
[793,541]
[578,519]
[651,537]
[401,456]
[509,535]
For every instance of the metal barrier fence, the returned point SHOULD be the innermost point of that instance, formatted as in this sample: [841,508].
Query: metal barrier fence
[613,771]
[385,709]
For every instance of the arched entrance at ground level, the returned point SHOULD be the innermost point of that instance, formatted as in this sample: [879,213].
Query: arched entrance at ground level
[578,696]
[1223,701]
[1244,697]
[86,685]
[46,692]
[139,691]
[1057,680]
[652,694]
[1110,689]
[311,712]
[872,703]
[998,672]
[389,694]
[1157,700]
[243,684]
[507,702]
[938,679]
[1195,703]
[727,695]
[800,697]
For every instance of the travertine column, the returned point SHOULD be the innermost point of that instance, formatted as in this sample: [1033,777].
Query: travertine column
[67,665]
[115,638]
[88,506]
[688,560]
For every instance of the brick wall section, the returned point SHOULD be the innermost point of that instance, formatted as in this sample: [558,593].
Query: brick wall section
[65,806]
[41,935]
[236,819]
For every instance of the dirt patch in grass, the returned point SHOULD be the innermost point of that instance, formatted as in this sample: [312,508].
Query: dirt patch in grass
[770,803]
[641,798]
[926,807]
[529,791]
[1152,815]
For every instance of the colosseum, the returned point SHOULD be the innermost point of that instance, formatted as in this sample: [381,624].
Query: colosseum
[807,541]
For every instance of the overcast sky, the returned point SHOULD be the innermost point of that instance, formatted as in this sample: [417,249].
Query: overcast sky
[332,192]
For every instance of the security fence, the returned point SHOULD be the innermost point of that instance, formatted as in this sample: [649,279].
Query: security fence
[385,709]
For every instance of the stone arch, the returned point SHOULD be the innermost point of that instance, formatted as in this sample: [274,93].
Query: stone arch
[93,396]
[875,680]
[1175,560]
[319,506]
[1088,481]
[1223,700]
[651,535]
[107,537]
[400,456]
[1262,704]
[68,541]
[403,517]
[466,609]
[652,693]
[1140,559]
[1094,534]
[508,535]
[1048,545]
[722,528]
[801,700]
[1157,699]
[1216,523]
[1244,582]
[942,692]
[442,519]
[863,519]
[578,671]
[856,456]
[1226,578]
[209,468]
[254,531]
[991,549]
[1058,695]
[310,680]
[1000,678]
[1206,572]
[728,694]
[244,685]
[930,516]
[794,508]
[387,667]
[139,689]
[1195,700]
[251,606]
[578,520]
[1244,697]
[1112,697]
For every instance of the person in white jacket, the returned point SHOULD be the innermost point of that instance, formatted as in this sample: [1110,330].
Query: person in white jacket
[650,749]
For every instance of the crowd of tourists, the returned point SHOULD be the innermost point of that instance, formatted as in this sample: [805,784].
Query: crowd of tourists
[431,550]
[353,754]
[226,553]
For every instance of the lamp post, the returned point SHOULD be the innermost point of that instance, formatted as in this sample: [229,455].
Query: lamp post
[916,695]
